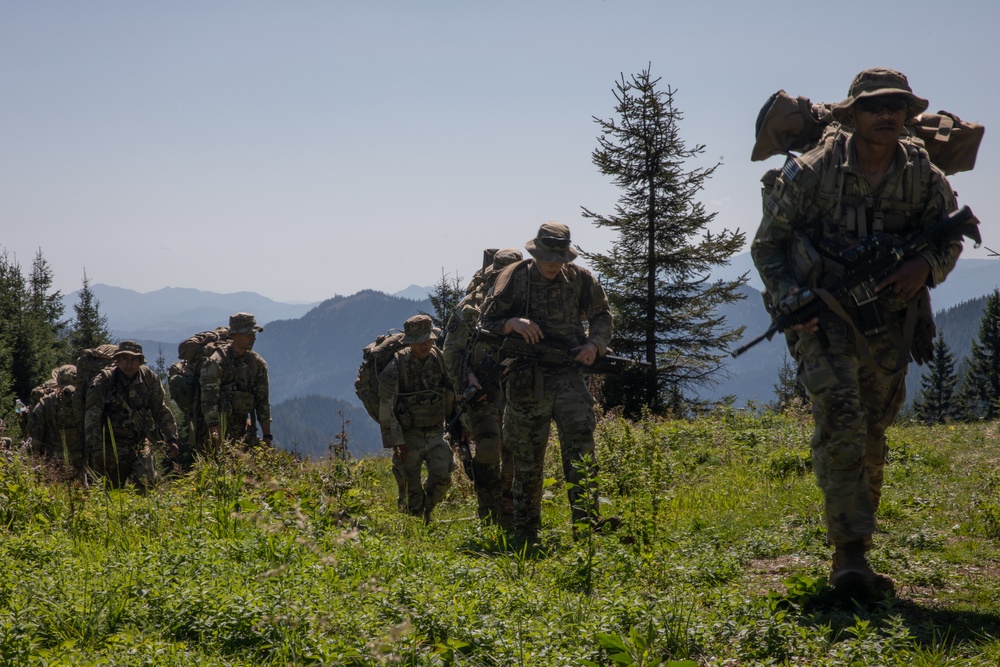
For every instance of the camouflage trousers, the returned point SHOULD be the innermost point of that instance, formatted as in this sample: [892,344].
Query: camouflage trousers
[492,464]
[122,461]
[423,446]
[535,398]
[854,401]
[65,446]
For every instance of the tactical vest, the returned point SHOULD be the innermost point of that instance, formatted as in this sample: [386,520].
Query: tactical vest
[559,306]
[838,220]
[421,401]
[131,421]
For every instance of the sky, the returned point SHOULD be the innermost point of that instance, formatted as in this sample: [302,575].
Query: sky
[306,149]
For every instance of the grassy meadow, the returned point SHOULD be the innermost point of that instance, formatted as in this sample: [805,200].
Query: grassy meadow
[260,559]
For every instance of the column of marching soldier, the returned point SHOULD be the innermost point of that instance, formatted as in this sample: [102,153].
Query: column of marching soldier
[866,184]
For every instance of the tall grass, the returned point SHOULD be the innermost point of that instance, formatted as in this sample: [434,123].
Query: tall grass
[256,558]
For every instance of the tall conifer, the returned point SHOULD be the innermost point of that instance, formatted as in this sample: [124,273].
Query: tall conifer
[657,273]
[937,402]
[981,382]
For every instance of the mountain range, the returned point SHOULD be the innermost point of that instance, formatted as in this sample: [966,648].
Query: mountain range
[314,349]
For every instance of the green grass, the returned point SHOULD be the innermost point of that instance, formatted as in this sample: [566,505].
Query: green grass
[264,560]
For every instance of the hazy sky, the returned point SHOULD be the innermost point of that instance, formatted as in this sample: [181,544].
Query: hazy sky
[306,149]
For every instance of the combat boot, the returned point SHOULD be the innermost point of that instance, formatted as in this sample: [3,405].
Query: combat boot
[851,572]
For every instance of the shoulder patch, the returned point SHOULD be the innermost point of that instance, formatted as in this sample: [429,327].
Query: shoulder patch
[791,169]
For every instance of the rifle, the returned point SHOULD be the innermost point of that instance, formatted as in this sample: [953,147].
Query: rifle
[553,354]
[871,262]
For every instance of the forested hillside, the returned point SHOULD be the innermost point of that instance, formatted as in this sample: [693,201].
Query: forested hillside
[307,425]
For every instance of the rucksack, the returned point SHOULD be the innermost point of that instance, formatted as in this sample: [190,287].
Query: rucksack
[787,124]
[90,363]
[183,375]
[374,359]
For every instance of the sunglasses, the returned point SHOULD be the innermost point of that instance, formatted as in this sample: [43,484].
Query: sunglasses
[893,103]
[554,242]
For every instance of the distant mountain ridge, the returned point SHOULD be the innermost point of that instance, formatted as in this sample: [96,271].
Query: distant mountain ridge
[171,314]
[313,350]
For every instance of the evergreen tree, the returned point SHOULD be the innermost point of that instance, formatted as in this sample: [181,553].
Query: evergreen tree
[981,383]
[657,273]
[445,297]
[90,328]
[936,404]
[45,317]
[788,390]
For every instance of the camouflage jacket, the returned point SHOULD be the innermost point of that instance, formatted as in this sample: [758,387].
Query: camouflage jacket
[560,307]
[821,204]
[54,423]
[413,394]
[134,409]
[235,386]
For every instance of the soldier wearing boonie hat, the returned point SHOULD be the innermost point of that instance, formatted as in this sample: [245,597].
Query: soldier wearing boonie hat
[415,397]
[125,407]
[235,387]
[859,182]
[549,297]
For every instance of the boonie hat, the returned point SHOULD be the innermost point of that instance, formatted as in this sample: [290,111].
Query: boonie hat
[552,244]
[875,82]
[418,329]
[243,323]
[130,348]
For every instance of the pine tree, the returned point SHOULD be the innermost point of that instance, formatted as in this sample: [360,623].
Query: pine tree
[445,297]
[936,404]
[981,383]
[90,328]
[788,390]
[45,315]
[657,273]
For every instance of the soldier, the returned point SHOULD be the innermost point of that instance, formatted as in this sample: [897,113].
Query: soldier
[234,386]
[492,466]
[548,297]
[861,182]
[415,397]
[54,423]
[125,410]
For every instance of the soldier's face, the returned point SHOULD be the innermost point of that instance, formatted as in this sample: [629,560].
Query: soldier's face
[422,350]
[550,270]
[128,364]
[879,120]
[243,342]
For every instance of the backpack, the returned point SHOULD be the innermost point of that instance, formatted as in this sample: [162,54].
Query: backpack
[785,124]
[90,363]
[183,375]
[374,359]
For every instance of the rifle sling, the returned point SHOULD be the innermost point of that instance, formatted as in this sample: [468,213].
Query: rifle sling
[859,338]
[909,327]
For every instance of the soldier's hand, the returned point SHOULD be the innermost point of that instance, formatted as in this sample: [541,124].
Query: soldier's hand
[586,354]
[812,326]
[908,278]
[173,448]
[400,451]
[474,381]
[529,331]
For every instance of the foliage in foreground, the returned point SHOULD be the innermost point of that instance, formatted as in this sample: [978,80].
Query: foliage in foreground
[259,559]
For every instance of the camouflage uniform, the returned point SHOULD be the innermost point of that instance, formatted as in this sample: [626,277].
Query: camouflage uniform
[54,427]
[122,418]
[537,395]
[235,388]
[492,464]
[415,397]
[822,203]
